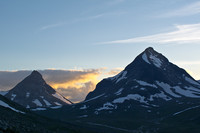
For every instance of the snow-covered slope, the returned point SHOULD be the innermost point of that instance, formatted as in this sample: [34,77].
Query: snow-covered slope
[5,103]
[33,92]
[3,93]
[150,74]
[149,90]
[150,81]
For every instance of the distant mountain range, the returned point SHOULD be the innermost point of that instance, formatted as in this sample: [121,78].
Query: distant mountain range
[34,92]
[150,95]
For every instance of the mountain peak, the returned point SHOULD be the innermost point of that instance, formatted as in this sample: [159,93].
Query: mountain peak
[151,56]
[36,74]
[151,52]
[34,77]
[149,49]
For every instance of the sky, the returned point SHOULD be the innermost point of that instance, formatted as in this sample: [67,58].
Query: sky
[99,37]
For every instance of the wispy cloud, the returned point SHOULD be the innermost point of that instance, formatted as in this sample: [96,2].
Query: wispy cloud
[191,9]
[182,34]
[51,26]
[97,16]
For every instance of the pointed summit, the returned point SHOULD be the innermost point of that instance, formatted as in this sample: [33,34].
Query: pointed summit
[151,56]
[34,92]
[36,73]
[34,78]
[149,49]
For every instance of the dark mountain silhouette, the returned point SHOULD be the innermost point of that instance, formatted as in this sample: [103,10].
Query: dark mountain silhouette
[34,92]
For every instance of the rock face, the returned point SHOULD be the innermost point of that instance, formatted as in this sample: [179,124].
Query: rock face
[151,94]
[34,92]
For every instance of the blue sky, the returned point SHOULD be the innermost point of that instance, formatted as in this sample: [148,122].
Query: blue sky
[93,34]
[75,44]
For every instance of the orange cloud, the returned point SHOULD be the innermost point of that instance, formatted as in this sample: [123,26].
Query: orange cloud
[77,82]
[114,71]
[73,84]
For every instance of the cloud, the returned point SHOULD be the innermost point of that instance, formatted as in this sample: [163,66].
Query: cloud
[114,71]
[51,26]
[73,84]
[191,9]
[77,94]
[182,34]
[97,16]
[8,79]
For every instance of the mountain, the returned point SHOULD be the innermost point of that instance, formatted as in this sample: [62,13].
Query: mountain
[150,95]
[34,92]
[153,74]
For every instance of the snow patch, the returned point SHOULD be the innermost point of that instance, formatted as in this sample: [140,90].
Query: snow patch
[193,89]
[106,106]
[57,103]
[37,102]
[38,109]
[144,57]
[159,95]
[58,96]
[143,83]
[83,107]
[122,77]
[13,96]
[119,91]
[93,98]
[136,97]
[46,102]
[191,81]
[142,89]
[3,93]
[27,94]
[145,106]
[8,106]
[56,107]
[187,93]
[156,61]
[167,88]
